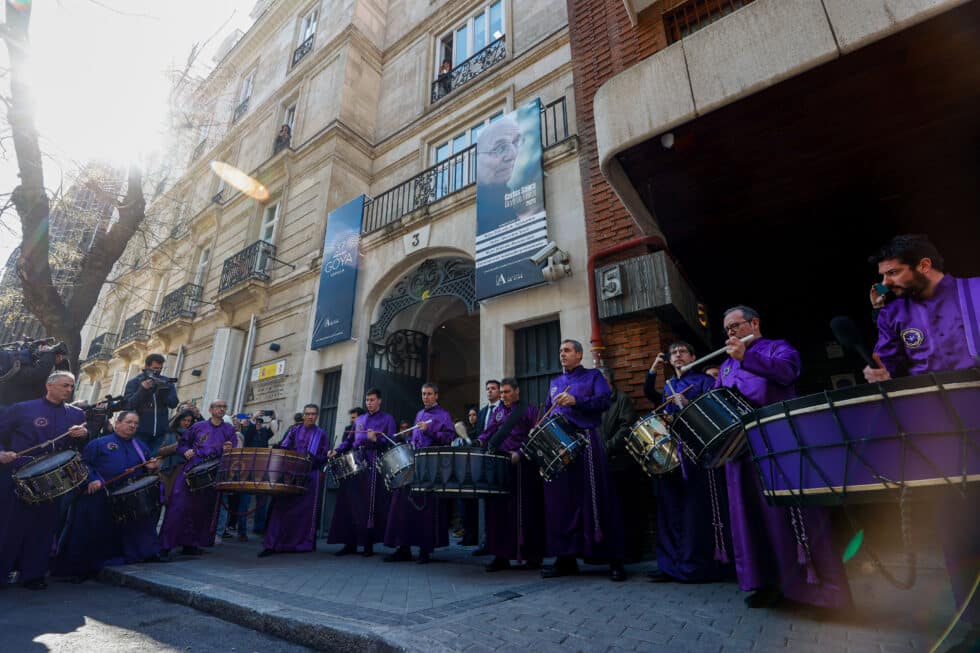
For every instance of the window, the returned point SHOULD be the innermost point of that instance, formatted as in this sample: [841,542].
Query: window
[687,17]
[270,223]
[536,359]
[457,174]
[308,26]
[289,118]
[201,273]
[247,83]
[471,36]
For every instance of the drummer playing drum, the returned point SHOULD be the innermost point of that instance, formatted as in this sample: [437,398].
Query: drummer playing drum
[692,505]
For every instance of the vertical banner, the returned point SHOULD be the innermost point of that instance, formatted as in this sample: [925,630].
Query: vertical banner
[338,275]
[510,218]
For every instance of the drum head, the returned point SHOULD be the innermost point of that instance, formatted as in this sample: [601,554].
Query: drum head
[138,485]
[206,466]
[46,464]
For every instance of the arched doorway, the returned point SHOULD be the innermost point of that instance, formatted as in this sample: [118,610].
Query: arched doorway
[428,329]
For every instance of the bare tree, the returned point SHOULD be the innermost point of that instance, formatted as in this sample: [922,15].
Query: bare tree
[61,319]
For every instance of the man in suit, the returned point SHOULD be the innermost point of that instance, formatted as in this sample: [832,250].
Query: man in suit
[474,510]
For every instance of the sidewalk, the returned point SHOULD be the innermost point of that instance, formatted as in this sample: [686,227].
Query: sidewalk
[362,604]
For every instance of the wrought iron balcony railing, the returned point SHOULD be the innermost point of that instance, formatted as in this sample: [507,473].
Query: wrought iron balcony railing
[304,49]
[250,263]
[198,150]
[473,67]
[101,347]
[443,179]
[452,175]
[240,110]
[179,303]
[137,327]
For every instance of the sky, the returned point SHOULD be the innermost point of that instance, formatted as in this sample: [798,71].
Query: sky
[100,79]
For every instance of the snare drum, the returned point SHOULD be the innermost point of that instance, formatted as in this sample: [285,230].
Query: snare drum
[553,446]
[651,444]
[397,465]
[138,500]
[461,472]
[50,477]
[348,464]
[202,475]
[710,427]
[260,470]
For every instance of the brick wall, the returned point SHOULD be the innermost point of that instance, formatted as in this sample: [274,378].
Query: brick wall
[604,43]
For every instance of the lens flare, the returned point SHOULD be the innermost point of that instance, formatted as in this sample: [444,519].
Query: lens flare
[240,181]
[854,545]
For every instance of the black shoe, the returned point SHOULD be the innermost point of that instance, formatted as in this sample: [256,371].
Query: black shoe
[482,551]
[400,555]
[498,564]
[36,584]
[192,551]
[347,550]
[424,558]
[368,551]
[531,565]
[265,553]
[160,557]
[657,576]
[560,568]
[617,573]
[767,597]
[227,536]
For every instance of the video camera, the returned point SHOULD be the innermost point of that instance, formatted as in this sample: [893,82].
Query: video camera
[105,408]
[159,380]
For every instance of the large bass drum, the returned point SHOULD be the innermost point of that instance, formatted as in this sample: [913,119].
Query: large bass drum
[260,470]
[50,477]
[461,472]
[863,443]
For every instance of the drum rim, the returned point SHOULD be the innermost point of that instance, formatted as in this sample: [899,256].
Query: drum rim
[202,466]
[71,456]
[137,485]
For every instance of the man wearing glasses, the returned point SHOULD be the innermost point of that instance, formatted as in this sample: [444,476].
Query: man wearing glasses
[691,501]
[191,518]
[778,551]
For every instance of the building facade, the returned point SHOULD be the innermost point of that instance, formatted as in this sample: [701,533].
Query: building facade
[230,297]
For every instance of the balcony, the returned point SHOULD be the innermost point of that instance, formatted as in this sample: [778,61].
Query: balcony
[304,49]
[177,310]
[245,274]
[240,111]
[101,348]
[136,327]
[198,150]
[452,175]
[469,69]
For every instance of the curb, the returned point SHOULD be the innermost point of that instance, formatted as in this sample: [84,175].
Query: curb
[259,614]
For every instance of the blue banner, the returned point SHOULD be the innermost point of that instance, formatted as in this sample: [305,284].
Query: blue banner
[511,224]
[338,275]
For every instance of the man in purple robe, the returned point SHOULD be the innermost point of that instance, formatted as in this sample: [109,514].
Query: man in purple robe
[421,521]
[91,538]
[293,519]
[933,325]
[26,542]
[583,517]
[778,551]
[693,544]
[515,521]
[361,511]
[191,517]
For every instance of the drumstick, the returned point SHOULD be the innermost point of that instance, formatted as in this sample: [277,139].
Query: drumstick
[410,428]
[553,406]
[130,471]
[676,394]
[43,444]
[713,354]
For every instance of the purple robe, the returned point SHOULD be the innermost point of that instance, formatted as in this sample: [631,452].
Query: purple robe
[91,538]
[192,517]
[361,511]
[29,530]
[941,333]
[768,551]
[583,514]
[693,544]
[292,519]
[421,520]
[515,521]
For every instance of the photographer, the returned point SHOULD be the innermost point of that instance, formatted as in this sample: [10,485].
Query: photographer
[152,395]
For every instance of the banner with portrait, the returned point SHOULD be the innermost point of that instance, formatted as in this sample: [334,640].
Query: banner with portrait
[334,317]
[511,224]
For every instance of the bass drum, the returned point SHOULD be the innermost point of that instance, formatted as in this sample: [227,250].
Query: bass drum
[461,472]
[260,470]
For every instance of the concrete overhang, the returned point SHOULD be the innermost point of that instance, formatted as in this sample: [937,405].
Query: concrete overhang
[753,48]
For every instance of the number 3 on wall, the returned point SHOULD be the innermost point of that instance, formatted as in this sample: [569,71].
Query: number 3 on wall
[416,240]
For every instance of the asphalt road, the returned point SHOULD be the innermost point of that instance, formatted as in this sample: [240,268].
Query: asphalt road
[96,618]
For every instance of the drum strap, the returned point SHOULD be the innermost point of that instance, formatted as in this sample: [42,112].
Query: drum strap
[503,432]
[721,554]
[374,483]
[969,295]
[595,501]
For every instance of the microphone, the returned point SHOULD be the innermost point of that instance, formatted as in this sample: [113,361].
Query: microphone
[847,334]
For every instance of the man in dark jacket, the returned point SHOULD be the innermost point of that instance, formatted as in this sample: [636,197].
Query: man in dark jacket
[633,486]
[151,396]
